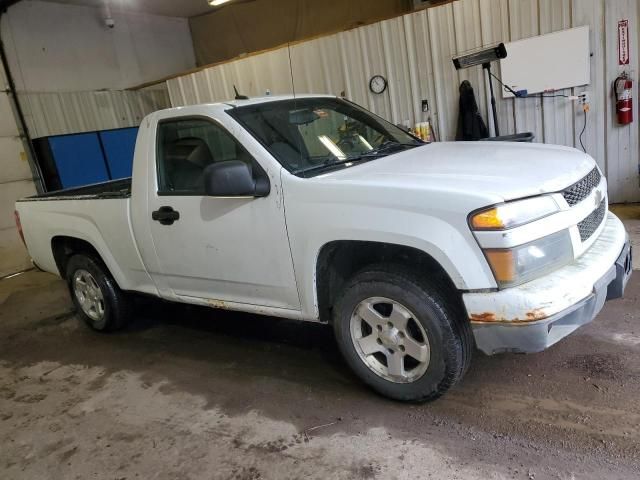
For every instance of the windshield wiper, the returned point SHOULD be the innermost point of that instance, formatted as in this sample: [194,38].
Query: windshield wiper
[389,144]
[329,164]
[383,148]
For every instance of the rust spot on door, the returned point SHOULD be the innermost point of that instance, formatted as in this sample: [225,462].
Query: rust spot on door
[217,304]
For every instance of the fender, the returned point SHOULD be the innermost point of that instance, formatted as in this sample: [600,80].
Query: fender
[432,236]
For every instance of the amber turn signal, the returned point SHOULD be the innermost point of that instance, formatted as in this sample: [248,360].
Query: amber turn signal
[503,265]
[487,220]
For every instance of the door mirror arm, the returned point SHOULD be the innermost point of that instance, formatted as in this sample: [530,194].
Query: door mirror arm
[234,178]
[263,187]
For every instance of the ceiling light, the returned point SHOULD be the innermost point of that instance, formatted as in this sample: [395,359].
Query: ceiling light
[215,3]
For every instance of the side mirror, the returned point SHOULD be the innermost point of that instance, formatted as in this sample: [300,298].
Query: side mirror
[234,178]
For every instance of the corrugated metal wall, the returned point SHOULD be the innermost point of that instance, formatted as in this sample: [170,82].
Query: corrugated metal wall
[414,53]
[57,113]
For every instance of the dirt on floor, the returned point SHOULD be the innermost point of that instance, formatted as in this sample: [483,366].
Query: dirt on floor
[196,393]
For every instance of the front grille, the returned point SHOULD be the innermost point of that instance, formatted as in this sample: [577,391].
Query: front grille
[581,189]
[592,222]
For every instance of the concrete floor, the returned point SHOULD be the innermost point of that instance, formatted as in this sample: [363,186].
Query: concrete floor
[196,393]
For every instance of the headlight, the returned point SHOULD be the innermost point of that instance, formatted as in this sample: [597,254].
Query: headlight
[521,264]
[513,214]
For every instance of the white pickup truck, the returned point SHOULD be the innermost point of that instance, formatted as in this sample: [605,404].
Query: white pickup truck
[313,208]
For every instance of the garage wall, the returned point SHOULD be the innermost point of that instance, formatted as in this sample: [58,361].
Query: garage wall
[245,27]
[15,182]
[59,113]
[71,70]
[414,52]
[55,47]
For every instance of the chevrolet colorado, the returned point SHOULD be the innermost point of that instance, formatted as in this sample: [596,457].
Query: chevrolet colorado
[312,208]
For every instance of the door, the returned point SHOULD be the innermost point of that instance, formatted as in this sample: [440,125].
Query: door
[229,249]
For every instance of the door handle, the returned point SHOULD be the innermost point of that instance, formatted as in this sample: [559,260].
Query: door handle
[165,215]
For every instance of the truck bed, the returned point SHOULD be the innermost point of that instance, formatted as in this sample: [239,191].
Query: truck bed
[113,189]
[98,215]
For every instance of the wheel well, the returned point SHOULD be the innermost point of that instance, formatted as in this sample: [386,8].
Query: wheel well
[66,247]
[339,260]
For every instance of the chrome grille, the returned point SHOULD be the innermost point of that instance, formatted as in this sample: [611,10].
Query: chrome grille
[592,222]
[581,189]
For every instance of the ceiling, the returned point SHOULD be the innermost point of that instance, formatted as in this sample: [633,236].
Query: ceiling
[171,8]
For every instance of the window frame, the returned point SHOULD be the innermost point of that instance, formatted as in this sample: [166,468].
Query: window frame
[257,168]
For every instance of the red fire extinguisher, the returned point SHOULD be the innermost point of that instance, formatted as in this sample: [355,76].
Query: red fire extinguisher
[622,87]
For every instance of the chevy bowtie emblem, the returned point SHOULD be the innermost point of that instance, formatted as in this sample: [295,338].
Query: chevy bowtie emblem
[598,197]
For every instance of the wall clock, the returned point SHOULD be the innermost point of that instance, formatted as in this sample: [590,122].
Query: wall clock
[378,84]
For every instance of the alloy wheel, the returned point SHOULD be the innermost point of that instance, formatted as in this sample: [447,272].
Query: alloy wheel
[389,340]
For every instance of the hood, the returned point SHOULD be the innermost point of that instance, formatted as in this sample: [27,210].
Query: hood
[505,170]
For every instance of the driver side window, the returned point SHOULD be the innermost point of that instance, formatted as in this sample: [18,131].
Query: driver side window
[185,147]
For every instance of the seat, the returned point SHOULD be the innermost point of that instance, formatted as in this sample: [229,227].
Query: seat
[185,161]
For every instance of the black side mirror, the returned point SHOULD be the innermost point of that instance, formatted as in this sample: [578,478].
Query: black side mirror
[234,178]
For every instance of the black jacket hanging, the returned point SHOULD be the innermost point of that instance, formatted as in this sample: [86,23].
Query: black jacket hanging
[470,123]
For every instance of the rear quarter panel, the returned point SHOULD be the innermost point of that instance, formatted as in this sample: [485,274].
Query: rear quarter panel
[103,223]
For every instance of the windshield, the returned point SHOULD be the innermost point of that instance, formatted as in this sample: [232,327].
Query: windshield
[309,136]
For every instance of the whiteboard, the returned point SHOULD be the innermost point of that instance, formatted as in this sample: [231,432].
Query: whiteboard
[547,62]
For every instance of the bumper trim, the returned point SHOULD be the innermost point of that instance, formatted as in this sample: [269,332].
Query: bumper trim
[623,266]
[531,337]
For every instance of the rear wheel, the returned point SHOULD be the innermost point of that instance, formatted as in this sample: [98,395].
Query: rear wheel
[405,337]
[99,301]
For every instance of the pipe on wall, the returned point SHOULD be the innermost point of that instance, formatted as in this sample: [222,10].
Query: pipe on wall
[19,113]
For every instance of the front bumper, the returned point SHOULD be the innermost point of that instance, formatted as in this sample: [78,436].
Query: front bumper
[534,316]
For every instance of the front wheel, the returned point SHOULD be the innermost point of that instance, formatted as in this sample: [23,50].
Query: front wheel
[99,301]
[405,337]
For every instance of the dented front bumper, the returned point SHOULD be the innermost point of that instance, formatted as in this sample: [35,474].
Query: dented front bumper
[532,317]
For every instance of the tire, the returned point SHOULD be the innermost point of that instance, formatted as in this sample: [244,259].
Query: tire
[423,341]
[98,300]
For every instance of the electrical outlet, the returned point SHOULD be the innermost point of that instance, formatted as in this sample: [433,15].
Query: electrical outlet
[584,98]
[584,101]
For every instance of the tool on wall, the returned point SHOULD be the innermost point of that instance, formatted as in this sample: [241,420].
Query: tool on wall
[484,57]
[622,90]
